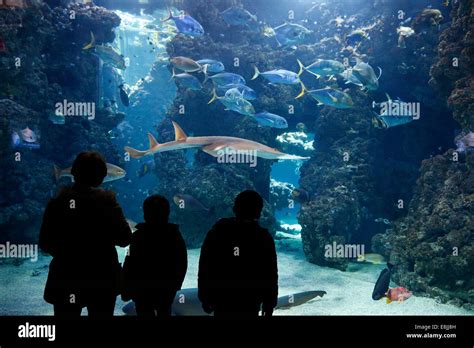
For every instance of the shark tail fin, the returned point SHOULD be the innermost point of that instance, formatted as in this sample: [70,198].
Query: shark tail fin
[57,172]
[214,96]
[90,44]
[179,134]
[134,153]
[152,141]
[170,16]
[303,90]
[301,68]
[255,75]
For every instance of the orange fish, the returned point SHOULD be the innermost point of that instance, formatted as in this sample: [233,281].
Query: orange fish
[398,294]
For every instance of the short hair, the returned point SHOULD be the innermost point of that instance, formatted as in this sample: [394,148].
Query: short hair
[248,205]
[89,168]
[156,209]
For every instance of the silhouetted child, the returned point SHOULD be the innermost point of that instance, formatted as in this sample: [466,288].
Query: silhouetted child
[155,267]
[238,273]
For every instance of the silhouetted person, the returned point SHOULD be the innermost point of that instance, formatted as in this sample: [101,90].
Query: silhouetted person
[81,227]
[157,262]
[238,272]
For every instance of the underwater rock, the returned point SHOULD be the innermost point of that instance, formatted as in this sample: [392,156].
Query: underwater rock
[452,75]
[53,69]
[280,194]
[432,248]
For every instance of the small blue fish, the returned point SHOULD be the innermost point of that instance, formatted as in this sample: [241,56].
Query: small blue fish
[213,66]
[329,96]
[322,67]
[238,16]
[280,76]
[234,101]
[366,75]
[247,92]
[223,79]
[187,81]
[271,120]
[186,24]
[146,168]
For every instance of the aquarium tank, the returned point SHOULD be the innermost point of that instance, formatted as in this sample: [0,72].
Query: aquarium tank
[353,120]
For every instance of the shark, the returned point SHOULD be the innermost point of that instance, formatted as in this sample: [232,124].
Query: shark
[186,302]
[212,145]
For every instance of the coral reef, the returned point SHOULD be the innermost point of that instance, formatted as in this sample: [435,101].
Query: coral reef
[433,246]
[44,64]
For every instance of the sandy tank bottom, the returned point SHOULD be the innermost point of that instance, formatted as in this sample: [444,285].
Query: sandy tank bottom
[348,293]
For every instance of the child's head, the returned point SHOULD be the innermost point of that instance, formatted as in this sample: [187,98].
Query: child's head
[156,209]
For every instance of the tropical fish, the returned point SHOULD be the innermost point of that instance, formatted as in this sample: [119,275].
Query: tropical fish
[403,33]
[329,96]
[57,118]
[432,15]
[245,91]
[212,145]
[107,54]
[226,78]
[270,120]
[187,81]
[238,16]
[465,142]
[187,64]
[213,66]
[349,77]
[322,67]
[366,75]
[375,259]
[146,168]
[300,195]
[280,76]
[188,202]
[234,101]
[186,24]
[398,294]
[383,283]
[289,34]
[113,173]
[124,96]
[193,306]
[28,135]
[387,118]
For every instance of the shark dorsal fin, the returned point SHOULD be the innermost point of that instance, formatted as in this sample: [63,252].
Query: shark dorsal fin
[179,134]
[152,140]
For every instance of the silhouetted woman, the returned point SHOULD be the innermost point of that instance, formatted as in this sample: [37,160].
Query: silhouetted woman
[81,227]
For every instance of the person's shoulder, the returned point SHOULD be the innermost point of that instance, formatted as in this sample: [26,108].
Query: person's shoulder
[224,222]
